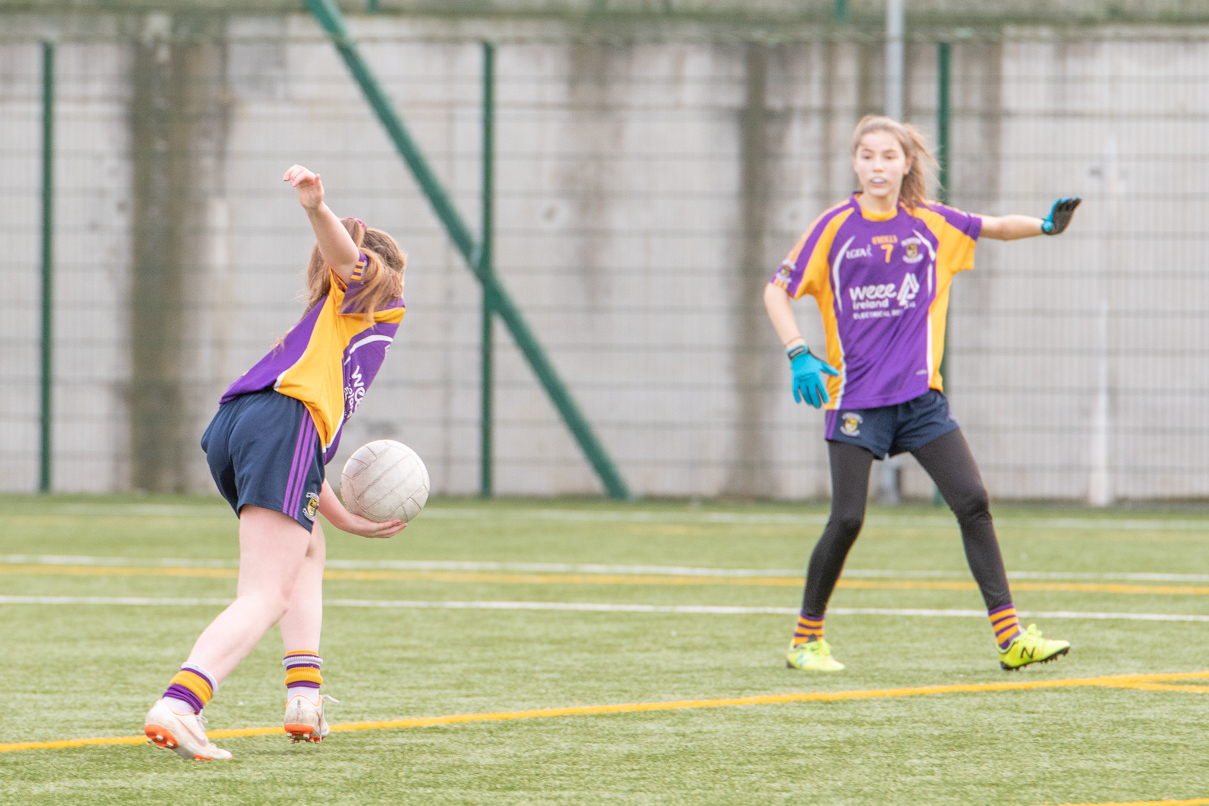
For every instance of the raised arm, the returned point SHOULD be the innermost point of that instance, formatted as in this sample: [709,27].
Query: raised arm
[1014,227]
[335,244]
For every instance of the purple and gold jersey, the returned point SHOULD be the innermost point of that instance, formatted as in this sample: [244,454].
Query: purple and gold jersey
[881,281]
[327,360]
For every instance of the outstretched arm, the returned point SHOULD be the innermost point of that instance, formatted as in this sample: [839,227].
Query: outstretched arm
[1014,227]
[335,244]
[1010,227]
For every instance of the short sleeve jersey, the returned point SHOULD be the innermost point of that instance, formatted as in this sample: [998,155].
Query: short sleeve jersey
[328,359]
[881,282]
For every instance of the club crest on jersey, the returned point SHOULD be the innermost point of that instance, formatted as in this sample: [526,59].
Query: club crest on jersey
[312,506]
[786,270]
[911,248]
[851,425]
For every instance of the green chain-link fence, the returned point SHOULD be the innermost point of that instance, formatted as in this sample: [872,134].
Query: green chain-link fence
[643,194]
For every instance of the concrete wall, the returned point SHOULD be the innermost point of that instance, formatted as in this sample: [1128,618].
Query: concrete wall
[644,192]
[966,11]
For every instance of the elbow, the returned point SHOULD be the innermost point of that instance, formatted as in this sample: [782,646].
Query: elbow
[774,294]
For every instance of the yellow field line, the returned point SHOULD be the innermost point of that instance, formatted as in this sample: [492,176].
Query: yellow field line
[1112,681]
[597,579]
[1194,802]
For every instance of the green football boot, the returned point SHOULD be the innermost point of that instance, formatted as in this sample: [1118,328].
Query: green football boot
[1030,647]
[812,656]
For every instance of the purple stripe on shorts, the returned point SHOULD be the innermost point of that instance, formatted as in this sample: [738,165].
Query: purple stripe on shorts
[293,480]
[829,419]
[311,444]
[302,460]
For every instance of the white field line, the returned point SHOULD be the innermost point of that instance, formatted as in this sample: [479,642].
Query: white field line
[672,517]
[563,568]
[593,607]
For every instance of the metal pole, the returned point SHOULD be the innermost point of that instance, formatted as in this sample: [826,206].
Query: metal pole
[890,491]
[48,197]
[894,58]
[943,118]
[943,111]
[330,18]
[841,10]
[371,6]
[486,268]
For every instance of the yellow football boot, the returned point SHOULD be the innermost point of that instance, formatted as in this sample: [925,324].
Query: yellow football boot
[812,656]
[1030,647]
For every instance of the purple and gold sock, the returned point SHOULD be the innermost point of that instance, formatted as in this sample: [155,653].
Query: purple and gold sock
[302,674]
[1005,624]
[810,628]
[193,686]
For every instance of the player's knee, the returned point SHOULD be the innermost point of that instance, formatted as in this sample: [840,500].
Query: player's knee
[846,525]
[274,602]
[972,504]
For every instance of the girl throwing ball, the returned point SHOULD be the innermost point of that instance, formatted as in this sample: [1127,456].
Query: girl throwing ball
[879,265]
[276,428]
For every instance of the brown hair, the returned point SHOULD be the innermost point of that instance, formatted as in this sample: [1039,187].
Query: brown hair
[920,163]
[381,280]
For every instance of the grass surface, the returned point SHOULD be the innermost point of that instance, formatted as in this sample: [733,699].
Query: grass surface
[72,670]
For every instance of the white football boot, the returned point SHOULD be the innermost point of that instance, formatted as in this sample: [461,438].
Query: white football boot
[183,734]
[304,720]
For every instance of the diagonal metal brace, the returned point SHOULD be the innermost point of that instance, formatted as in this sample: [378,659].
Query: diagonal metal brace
[330,18]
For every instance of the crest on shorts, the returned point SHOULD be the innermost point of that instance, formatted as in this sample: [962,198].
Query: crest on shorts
[312,506]
[852,424]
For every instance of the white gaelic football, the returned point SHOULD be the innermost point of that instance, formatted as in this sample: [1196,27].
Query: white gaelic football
[384,480]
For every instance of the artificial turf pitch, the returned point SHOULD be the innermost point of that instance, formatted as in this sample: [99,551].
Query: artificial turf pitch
[918,717]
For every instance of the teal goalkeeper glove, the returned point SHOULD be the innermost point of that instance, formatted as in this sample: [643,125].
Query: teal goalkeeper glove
[808,376]
[1060,215]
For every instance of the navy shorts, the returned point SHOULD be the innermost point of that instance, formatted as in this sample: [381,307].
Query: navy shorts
[891,430]
[263,450]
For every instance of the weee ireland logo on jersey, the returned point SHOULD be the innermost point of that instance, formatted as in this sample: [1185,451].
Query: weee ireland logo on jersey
[873,301]
[354,390]
[908,290]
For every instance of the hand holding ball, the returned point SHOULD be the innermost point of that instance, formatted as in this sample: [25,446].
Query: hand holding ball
[384,480]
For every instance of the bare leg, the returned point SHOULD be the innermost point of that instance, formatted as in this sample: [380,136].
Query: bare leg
[272,550]
[303,621]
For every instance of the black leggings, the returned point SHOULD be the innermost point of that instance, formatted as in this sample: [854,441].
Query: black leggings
[948,461]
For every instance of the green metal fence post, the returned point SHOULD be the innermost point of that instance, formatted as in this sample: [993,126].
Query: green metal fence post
[48,197]
[943,112]
[943,117]
[486,267]
[841,10]
[328,15]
